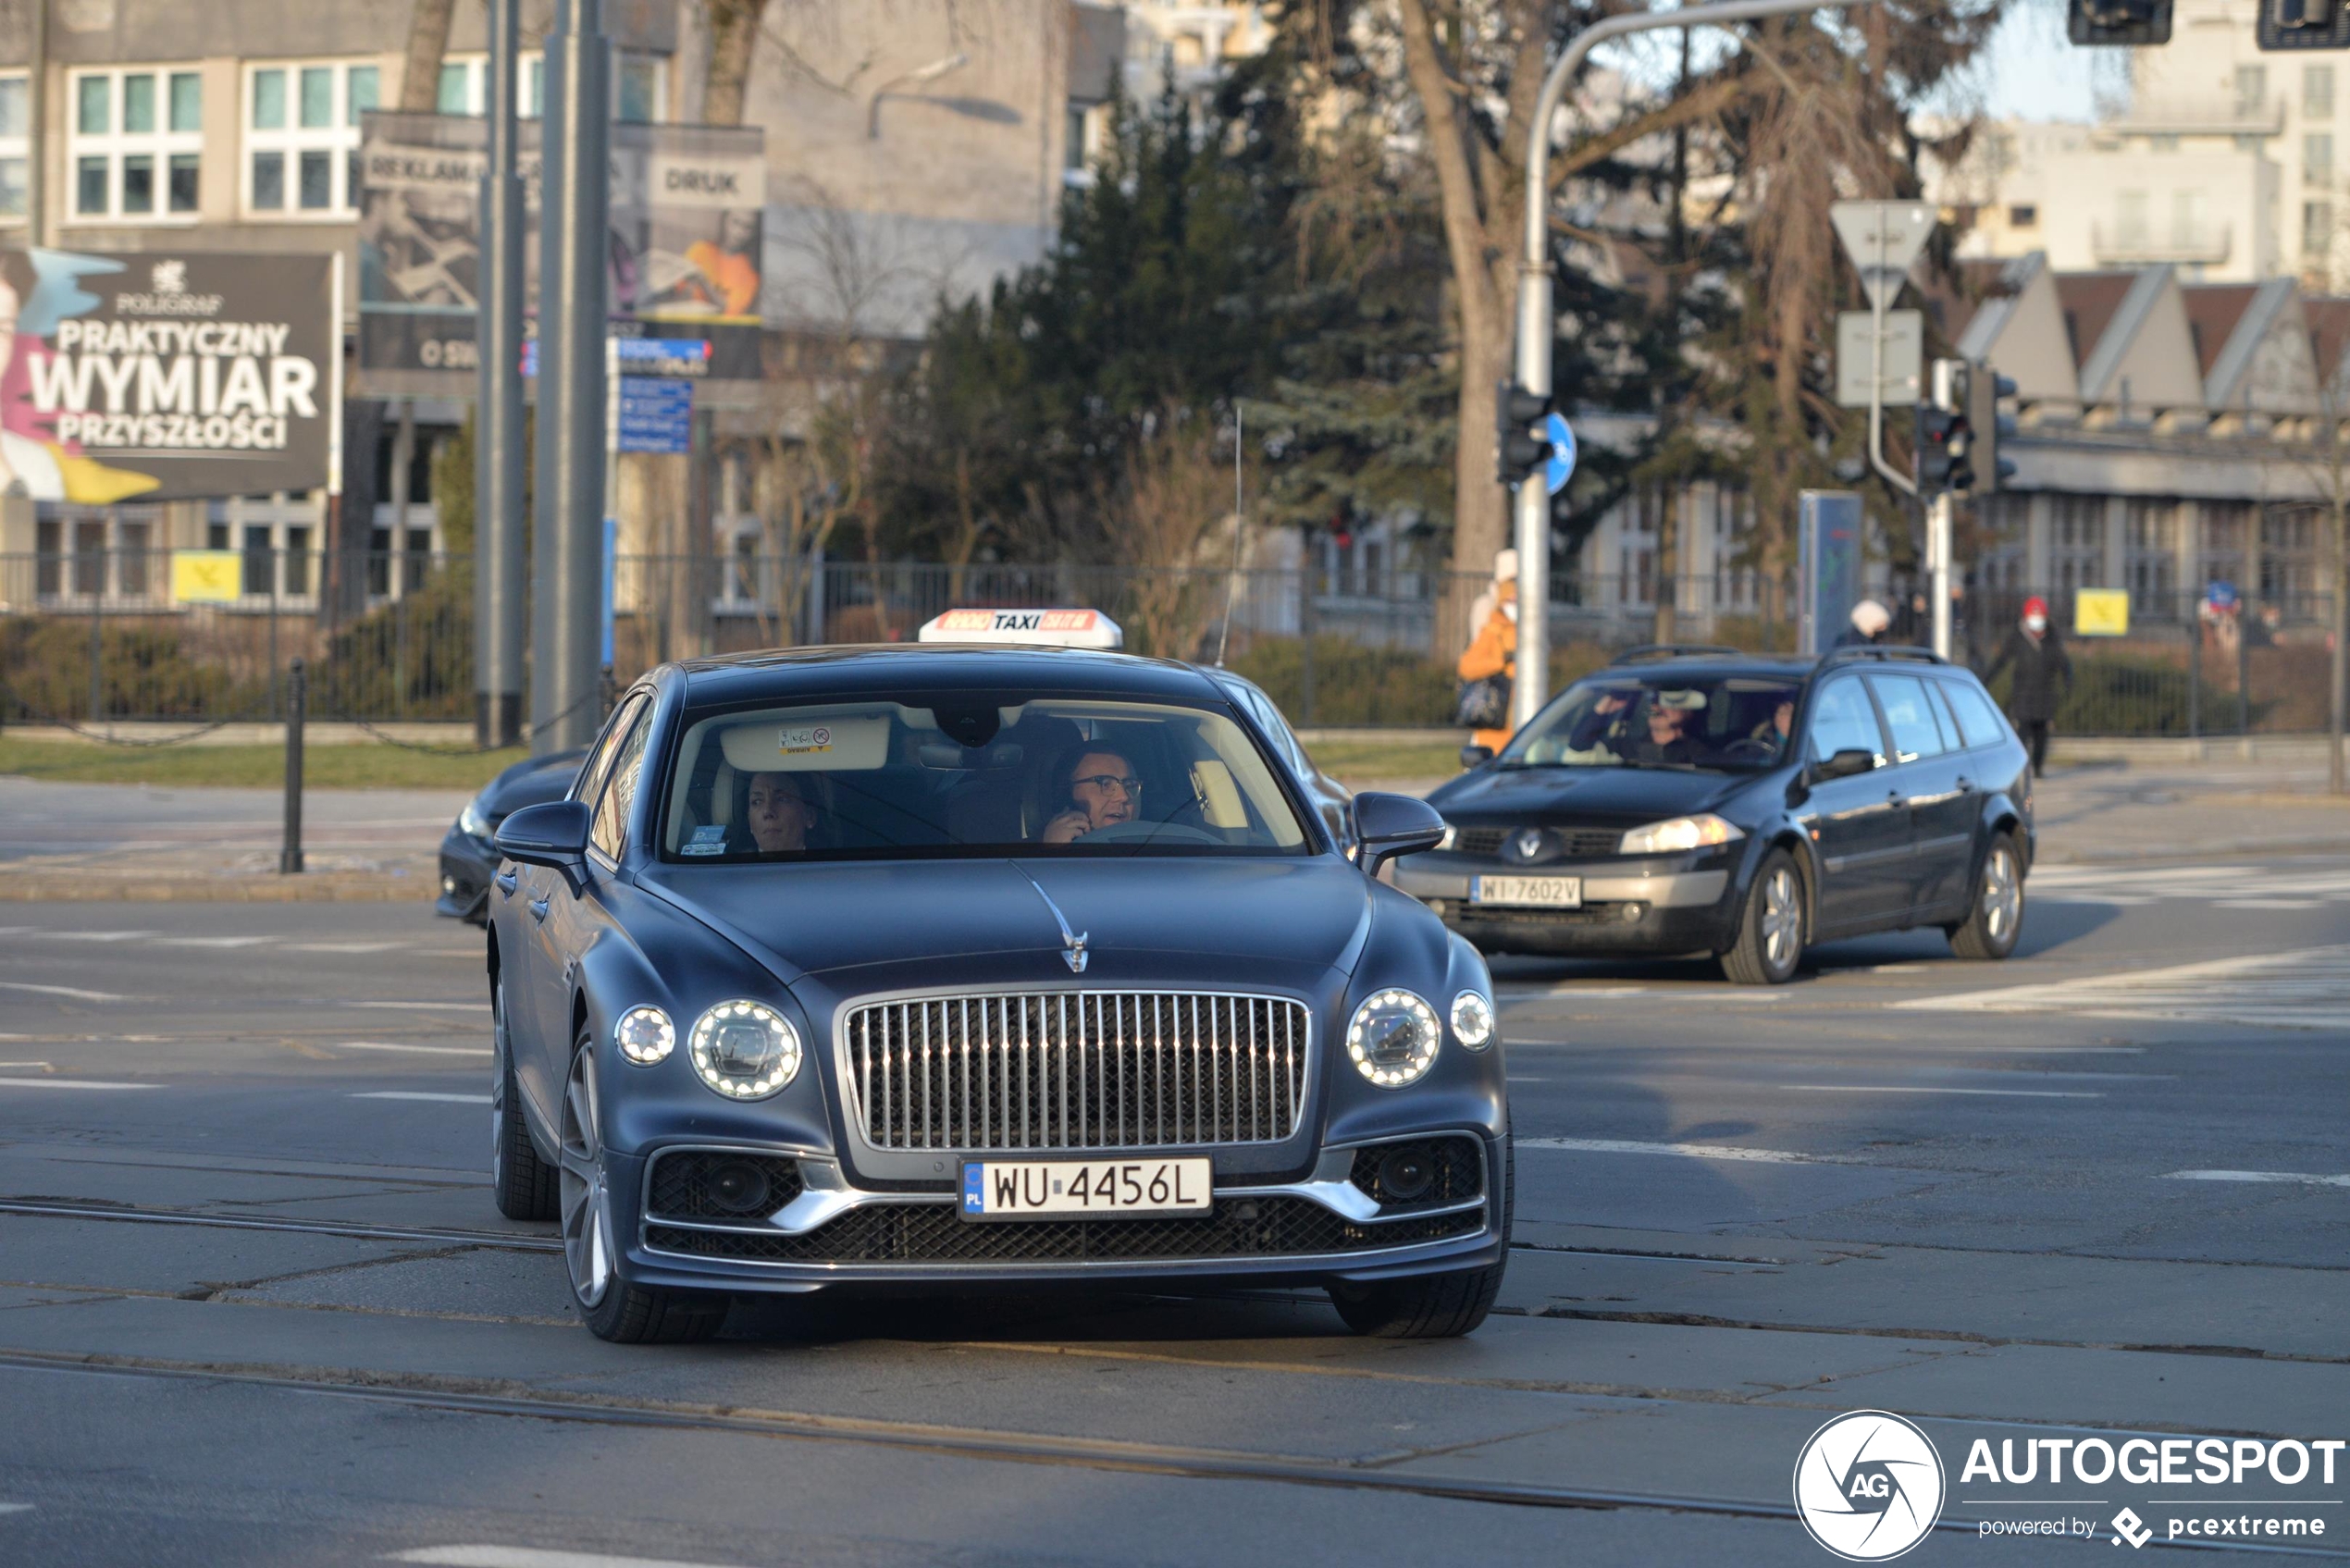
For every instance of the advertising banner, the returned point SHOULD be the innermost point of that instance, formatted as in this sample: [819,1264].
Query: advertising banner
[684,243]
[163,377]
[2101,612]
[1828,560]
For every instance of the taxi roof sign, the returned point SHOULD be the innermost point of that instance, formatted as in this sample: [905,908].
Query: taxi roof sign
[1047,628]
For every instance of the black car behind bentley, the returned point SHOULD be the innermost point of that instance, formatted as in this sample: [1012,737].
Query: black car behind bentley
[468,858]
[1704,801]
[943,964]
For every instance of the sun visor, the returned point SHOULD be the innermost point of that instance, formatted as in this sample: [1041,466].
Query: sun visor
[809,745]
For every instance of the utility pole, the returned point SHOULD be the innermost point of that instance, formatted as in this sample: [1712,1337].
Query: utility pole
[500,585]
[1536,323]
[574,194]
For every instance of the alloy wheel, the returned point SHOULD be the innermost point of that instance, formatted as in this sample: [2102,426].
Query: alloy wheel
[1782,918]
[2002,894]
[587,1209]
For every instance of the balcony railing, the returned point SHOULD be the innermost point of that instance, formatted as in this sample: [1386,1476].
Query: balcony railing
[2204,244]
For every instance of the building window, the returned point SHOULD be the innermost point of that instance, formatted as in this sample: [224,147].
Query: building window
[2251,143]
[2024,215]
[2317,227]
[137,145]
[15,151]
[2317,158]
[2130,218]
[637,88]
[301,136]
[2252,89]
[2162,142]
[2317,91]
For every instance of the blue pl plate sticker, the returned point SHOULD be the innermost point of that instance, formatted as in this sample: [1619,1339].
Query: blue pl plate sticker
[974,1193]
[711,840]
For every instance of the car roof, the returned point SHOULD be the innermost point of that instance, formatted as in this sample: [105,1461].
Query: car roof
[1789,666]
[889,667]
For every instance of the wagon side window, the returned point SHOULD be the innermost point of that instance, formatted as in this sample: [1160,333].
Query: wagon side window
[611,830]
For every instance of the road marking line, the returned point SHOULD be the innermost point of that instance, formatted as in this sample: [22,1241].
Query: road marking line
[211,941]
[464,1006]
[15,1508]
[530,1557]
[425,1050]
[340,946]
[2291,1176]
[412,1094]
[2305,988]
[1922,1089]
[44,1067]
[75,991]
[69,1083]
[1688,1150]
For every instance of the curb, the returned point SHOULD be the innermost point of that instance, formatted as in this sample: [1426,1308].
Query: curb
[48,887]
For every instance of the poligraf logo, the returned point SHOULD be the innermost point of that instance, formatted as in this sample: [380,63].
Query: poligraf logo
[1868,1486]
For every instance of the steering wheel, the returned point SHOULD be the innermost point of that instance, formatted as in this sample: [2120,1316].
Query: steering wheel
[1750,746]
[1144,832]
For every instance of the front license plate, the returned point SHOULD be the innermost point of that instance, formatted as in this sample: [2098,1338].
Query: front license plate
[1042,1189]
[1556,893]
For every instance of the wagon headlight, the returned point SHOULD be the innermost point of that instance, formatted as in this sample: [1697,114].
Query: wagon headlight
[744,1050]
[645,1036]
[1452,836]
[474,819]
[1394,1038]
[1472,1020]
[1679,832]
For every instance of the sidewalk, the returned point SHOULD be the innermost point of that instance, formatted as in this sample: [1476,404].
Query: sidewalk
[81,842]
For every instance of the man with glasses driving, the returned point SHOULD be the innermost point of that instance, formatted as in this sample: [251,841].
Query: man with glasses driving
[1101,790]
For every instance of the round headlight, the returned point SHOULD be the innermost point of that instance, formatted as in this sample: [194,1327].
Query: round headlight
[645,1036]
[744,1050]
[1394,1038]
[1472,1020]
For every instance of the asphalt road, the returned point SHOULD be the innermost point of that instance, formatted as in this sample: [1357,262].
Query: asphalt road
[2097,1190]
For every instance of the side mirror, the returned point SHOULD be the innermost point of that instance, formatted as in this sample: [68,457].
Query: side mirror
[1475,756]
[1844,764]
[1392,825]
[553,834]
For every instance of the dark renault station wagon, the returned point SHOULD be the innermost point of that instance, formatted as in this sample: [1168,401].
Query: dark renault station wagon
[1746,805]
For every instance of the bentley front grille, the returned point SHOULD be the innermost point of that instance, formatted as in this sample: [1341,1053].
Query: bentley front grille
[1093,1069]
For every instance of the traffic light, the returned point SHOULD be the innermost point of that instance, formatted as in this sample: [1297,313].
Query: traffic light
[1518,454]
[1944,442]
[2303,24]
[2123,21]
[1987,426]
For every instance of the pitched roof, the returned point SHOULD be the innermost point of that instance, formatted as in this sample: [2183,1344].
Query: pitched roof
[2089,300]
[2213,310]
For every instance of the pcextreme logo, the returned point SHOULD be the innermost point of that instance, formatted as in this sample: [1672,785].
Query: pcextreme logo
[1868,1486]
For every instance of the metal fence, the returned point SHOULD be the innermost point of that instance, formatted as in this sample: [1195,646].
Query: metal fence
[103,635]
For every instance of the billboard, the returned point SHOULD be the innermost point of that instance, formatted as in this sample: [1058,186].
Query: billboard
[158,377]
[683,243]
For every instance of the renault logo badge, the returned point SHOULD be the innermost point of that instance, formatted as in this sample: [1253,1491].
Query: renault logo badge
[1526,843]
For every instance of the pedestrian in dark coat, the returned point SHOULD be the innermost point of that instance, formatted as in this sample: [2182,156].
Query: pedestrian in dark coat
[2043,677]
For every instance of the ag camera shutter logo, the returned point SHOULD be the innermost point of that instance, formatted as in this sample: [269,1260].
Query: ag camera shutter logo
[1868,1486]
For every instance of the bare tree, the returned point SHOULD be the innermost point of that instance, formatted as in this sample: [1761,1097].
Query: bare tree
[427,44]
[1170,505]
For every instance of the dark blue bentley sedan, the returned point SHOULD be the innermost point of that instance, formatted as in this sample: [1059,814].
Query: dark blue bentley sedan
[939,965]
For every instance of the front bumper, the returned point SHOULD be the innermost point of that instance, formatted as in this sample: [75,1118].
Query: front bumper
[1657,906]
[1331,1226]
[467,865]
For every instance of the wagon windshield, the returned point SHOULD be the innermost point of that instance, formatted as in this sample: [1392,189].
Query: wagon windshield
[944,775]
[1662,718]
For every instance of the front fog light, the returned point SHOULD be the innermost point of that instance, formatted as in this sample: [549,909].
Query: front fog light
[1394,1038]
[744,1050]
[645,1036]
[1472,1020]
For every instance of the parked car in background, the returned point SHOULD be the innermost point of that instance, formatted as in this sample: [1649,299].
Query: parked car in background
[467,858]
[1744,806]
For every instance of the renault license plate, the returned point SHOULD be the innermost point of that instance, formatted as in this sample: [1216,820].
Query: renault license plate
[1050,1189]
[1555,893]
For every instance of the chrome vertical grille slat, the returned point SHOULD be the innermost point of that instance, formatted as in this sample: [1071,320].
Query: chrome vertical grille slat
[1093,1069]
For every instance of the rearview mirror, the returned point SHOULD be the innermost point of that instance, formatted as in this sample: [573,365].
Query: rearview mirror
[1475,756]
[1844,764]
[553,834]
[1392,825]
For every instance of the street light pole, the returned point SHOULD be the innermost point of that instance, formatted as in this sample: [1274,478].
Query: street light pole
[1534,321]
[566,674]
[499,564]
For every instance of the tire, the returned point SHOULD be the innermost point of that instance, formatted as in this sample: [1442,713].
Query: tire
[1770,925]
[524,1184]
[1432,1306]
[615,1309]
[1994,919]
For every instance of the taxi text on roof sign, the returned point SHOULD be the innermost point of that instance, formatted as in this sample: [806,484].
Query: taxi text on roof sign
[1053,628]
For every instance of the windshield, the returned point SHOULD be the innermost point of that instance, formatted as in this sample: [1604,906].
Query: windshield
[1662,719]
[939,775]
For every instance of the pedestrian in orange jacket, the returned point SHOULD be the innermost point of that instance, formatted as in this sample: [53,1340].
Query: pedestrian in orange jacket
[1493,650]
